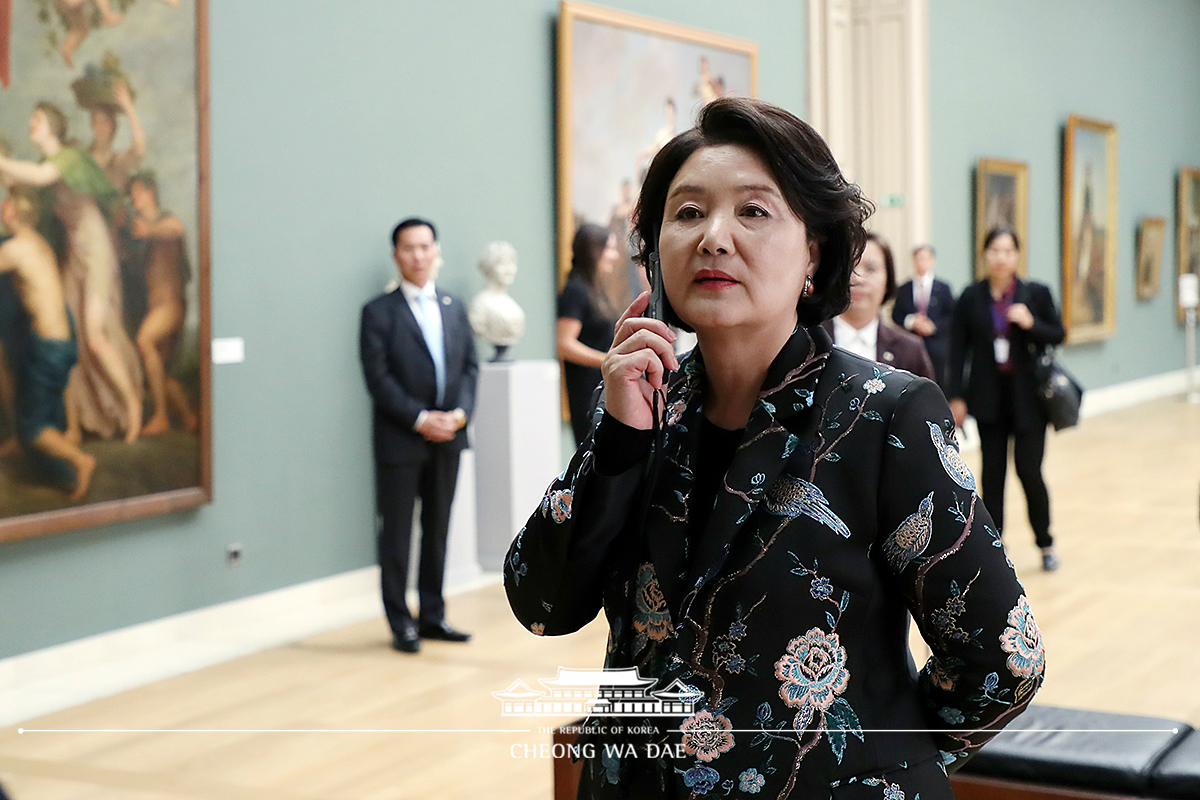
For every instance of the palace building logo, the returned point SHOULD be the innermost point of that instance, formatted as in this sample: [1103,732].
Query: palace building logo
[598,692]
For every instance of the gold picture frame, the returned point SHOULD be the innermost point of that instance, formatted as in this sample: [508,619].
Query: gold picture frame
[1188,232]
[1147,268]
[158,53]
[626,84]
[1001,198]
[1089,229]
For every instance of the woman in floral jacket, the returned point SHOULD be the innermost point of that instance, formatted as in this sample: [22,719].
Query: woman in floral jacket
[763,541]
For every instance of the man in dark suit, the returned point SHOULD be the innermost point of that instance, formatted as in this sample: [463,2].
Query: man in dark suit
[418,358]
[925,306]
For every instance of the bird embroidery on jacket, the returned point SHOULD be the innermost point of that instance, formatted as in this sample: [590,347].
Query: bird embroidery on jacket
[912,537]
[953,463]
[791,497]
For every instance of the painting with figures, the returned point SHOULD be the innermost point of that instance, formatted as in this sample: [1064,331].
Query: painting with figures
[626,85]
[104,381]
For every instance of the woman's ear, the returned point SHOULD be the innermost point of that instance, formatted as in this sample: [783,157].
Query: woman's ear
[814,256]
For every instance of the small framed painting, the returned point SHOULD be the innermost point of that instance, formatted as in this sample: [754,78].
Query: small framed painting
[1089,236]
[1001,198]
[1151,233]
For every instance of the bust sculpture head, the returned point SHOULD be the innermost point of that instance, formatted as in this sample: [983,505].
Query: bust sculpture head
[499,264]
[494,315]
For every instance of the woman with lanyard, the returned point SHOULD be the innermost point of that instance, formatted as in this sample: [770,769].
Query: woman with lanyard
[1000,325]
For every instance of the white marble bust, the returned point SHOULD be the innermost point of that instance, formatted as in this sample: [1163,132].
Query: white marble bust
[494,315]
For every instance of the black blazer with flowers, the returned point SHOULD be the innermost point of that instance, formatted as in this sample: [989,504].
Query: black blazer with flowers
[845,507]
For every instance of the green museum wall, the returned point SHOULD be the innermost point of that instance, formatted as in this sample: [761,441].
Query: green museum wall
[1003,79]
[327,127]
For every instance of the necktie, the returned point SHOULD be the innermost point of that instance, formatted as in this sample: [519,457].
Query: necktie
[432,332]
[922,298]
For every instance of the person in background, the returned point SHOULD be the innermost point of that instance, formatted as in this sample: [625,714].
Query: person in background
[758,518]
[861,329]
[419,362]
[585,320]
[1000,325]
[925,306]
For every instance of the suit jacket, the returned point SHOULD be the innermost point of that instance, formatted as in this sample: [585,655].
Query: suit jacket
[899,349]
[845,506]
[940,310]
[399,372]
[973,375]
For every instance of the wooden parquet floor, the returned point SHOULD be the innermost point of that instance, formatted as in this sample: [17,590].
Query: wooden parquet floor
[1121,620]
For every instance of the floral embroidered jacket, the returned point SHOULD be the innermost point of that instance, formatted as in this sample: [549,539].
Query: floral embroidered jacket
[846,506]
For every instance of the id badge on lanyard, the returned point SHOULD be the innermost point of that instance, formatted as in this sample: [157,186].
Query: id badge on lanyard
[1001,346]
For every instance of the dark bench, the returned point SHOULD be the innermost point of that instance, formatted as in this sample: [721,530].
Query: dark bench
[1051,752]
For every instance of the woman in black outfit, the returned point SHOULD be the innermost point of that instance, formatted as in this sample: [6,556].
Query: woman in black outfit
[1000,325]
[758,535]
[585,320]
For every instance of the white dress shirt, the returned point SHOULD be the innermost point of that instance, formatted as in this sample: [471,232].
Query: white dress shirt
[860,341]
[414,294]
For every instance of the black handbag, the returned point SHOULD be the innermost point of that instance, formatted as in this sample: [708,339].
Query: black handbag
[1058,391]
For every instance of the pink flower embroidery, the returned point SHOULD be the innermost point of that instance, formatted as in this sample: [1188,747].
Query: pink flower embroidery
[1022,640]
[706,736]
[538,629]
[560,505]
[813,670]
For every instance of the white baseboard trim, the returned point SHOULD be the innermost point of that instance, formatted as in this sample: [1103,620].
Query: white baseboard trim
[65,675]
[1130,393]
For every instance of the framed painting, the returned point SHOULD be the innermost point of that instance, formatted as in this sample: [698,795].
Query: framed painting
[1089,236]
[626,85]
[1151,233]
[1188,246]
[1001,198]
[105,408]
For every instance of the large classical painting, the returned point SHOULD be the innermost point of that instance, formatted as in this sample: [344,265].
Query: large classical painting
[1089,242]
[626,85]
[1001,198]
[1188,246]
[104,380]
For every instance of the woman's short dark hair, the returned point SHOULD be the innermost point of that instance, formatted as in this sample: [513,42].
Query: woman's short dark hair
[832,209]
[996,231]
[889,262]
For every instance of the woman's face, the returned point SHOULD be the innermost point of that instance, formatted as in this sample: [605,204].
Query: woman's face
[1001,257]
[734,255]
[609,257]
[868,282]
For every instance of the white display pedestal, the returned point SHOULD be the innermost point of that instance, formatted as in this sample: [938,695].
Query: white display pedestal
[516,433]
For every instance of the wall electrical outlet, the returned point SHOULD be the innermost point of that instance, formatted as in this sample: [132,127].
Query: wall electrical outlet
[233,554]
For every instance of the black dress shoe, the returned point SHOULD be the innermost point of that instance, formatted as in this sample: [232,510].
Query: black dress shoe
[442,632]
[407,641]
